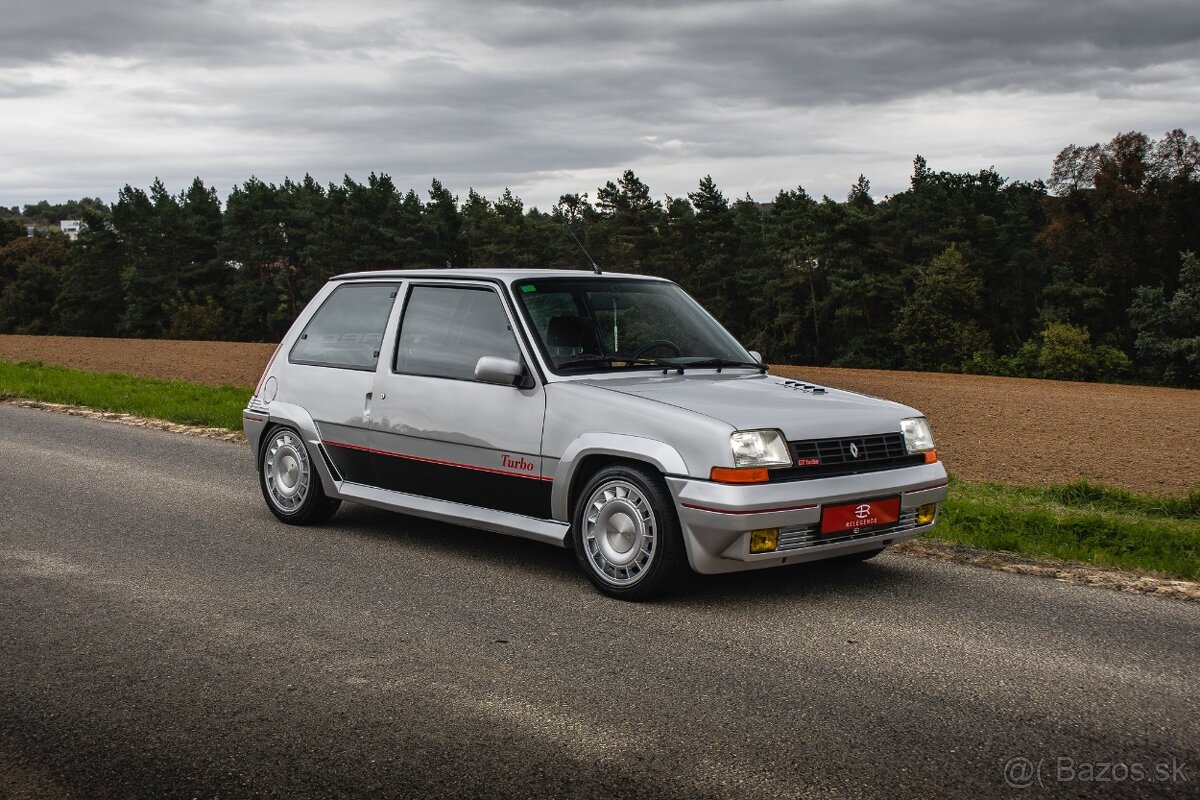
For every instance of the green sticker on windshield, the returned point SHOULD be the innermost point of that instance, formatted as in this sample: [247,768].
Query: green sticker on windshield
[528,287]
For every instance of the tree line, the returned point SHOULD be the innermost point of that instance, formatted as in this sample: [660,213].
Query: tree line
[1091,275]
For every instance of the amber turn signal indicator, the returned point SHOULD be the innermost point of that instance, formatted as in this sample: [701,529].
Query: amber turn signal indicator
[930,456]
[742,475]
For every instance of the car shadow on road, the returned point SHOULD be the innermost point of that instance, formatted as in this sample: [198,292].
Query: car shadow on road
[530,561]
[458,543]
[815,581]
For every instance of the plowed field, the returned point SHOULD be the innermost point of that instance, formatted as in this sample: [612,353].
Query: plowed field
[1012,430]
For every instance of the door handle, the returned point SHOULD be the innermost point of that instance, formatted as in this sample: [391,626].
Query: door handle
[367,405]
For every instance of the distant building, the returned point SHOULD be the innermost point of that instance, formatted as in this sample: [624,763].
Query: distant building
[70,228]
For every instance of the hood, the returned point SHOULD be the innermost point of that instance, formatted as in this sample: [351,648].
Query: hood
[747,402]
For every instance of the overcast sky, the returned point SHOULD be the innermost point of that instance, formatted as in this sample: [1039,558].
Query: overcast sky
[555,97]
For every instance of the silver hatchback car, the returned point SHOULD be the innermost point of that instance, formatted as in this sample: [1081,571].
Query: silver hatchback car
[608,413]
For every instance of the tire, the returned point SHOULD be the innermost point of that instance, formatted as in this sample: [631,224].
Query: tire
[626,533]
[856,558]
[289,484]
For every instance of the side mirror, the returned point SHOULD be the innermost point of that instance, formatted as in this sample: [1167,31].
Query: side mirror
[502,371]
[757,356]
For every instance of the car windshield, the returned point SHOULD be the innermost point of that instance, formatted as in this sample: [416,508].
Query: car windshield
[595,325]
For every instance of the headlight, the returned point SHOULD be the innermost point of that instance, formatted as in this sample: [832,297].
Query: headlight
[759,449]
[917,436]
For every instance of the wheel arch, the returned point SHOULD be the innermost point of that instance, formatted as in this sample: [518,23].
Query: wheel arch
[288,415]
[590,453]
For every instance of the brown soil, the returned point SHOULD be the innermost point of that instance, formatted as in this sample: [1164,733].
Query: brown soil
[1021,430]
[216,363]
[1012,430]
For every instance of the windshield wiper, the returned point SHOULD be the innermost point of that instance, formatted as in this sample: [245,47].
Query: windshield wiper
[700,362]
[587,358]
[609,361]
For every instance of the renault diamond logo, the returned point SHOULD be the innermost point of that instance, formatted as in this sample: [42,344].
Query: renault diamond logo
[853,450]
[863,511]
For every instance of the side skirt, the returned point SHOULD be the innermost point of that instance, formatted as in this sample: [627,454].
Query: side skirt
[540,530]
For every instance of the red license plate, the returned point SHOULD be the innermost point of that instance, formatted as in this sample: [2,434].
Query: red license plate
[866,514]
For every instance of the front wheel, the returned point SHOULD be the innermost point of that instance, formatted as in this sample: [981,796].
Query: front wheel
[626,533]
[288,481]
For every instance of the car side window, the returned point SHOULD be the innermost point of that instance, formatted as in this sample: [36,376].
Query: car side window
[347,330]
[447,329]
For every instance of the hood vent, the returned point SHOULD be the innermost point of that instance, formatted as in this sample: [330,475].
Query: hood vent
[808,388]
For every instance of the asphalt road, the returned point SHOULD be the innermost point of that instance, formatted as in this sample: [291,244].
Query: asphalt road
[161,635]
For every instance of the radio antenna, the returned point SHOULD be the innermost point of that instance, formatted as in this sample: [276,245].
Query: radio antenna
[595,266]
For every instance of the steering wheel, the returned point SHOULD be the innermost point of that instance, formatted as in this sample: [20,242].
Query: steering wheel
[648,346]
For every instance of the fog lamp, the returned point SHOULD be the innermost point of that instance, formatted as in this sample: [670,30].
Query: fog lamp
[764,541]
[925,513]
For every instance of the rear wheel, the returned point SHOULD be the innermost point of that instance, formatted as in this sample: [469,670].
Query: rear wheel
[289,483]
[626,533]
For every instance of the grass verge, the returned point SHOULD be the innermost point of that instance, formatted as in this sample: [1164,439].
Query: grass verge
[175,401]
[1075,522]
[1078,521]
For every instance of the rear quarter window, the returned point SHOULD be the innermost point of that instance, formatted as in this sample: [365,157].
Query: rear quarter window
[347,330]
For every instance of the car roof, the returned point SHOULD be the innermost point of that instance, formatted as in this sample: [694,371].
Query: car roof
[501,274]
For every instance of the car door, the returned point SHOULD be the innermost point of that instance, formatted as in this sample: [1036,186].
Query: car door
[438,432]
[332,368]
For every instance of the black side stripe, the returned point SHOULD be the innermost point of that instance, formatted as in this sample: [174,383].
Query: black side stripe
[519,494]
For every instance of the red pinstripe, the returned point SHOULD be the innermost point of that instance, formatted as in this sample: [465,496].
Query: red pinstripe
[437,461]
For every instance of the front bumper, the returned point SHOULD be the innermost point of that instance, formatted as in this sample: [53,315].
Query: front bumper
[716,518]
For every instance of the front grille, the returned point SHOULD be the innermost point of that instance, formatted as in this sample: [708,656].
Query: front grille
[810,535]
[837,456]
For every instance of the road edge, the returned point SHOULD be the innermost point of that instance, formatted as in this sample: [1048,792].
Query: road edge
[133,420]
[1064,571]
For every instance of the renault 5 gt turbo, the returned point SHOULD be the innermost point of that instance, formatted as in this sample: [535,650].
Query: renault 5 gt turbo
[607,413]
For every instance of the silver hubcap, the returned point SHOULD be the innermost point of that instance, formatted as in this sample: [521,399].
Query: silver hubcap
[285,469]
[619,533]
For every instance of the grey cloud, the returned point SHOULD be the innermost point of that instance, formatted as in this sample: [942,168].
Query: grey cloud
[856,51]
[512,92]
[14,87]
[210,32]
[182,29]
